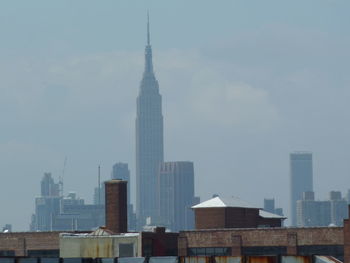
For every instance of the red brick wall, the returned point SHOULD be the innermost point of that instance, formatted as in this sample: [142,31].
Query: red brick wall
[116,206]
[21,242]
[347,239]
[231,217]
[241,217]
[288,237]
[210,218]
[163,243]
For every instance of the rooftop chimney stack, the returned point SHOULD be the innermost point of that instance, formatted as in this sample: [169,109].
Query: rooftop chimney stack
[116,206]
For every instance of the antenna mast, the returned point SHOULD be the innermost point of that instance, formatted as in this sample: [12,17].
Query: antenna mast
[99,185]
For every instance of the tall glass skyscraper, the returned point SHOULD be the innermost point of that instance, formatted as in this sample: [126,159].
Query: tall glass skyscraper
[176,194]
[301,174]
[149,140]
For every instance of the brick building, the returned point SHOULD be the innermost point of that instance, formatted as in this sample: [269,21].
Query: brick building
[326,241]
[31,244]
[218,213]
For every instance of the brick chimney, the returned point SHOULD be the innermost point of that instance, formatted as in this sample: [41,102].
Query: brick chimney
[346,231]
[116,206]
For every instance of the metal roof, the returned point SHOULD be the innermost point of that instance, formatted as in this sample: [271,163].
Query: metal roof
[234,202]
[266,214]
[224,202]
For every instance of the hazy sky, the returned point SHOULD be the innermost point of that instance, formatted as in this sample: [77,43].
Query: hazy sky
[244,83]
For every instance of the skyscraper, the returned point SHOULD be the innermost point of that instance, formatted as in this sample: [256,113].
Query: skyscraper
[149,140]
[269,205]
[176,195]
[121,171]
[48,186]
[57,213]
[321,213]
[300,179]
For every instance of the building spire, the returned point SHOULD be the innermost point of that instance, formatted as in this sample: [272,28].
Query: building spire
[148,34]
[148,51]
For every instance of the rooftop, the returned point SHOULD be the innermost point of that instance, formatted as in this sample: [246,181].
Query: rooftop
[234,202]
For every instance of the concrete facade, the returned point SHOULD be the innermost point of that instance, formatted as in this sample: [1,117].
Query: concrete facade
[91,246]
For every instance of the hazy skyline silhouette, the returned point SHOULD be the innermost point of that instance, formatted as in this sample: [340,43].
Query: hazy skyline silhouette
[243,85]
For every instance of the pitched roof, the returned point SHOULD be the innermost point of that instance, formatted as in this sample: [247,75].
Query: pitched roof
[224,202]
[234,202]
[266,214]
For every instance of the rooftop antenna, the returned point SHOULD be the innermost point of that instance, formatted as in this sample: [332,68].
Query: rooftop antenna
[148,33]
[99,184]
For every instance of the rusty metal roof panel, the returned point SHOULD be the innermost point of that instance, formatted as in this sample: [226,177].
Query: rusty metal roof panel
[262,259]
[196,259]
[228,259]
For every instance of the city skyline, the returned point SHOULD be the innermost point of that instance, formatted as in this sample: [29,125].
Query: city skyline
[241,91]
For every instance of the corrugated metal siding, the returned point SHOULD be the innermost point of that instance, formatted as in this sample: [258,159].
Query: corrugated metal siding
[198,259]
[261,259]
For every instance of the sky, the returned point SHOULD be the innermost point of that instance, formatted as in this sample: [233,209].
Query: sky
[244,83]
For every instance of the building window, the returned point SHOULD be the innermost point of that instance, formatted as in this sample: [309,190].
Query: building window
[209,251]
[55,253]
[7,253]
[7,260]
[126,250]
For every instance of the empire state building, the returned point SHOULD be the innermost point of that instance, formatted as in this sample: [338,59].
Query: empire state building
[149,140]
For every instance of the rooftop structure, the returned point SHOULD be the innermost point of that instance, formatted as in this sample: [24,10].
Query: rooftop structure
[233,212]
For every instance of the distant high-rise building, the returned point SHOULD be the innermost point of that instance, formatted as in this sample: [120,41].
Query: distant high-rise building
[311,212]
[58,213]
[99,195]
[47,206]
[269,205]
[301,179]
[321,213]
[339,208]
[121,171]
[176,195]
[149,140]
[48,186]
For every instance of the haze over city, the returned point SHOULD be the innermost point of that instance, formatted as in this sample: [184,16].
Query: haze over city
[243,85]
